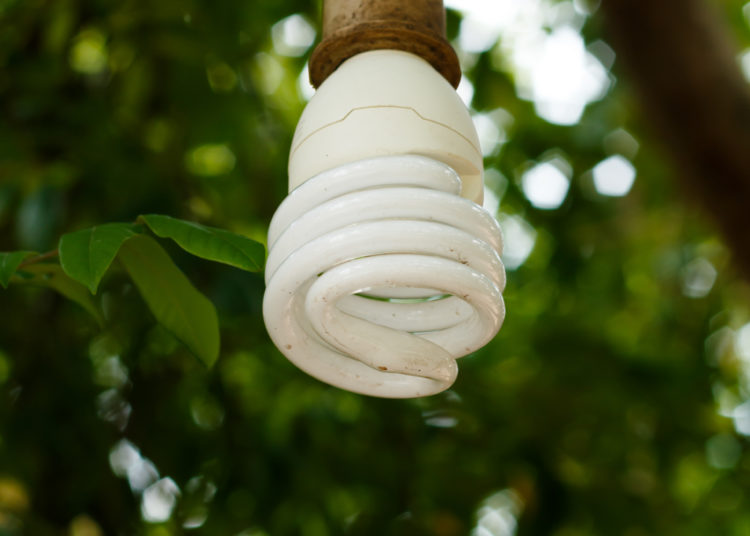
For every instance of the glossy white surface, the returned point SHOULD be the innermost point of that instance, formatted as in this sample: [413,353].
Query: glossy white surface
[380,275]
[386,102]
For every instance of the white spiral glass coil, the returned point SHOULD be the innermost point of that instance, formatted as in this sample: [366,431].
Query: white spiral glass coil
[379,276]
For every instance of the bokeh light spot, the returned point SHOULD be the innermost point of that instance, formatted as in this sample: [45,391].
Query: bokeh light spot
[723,451]
[221,77]
[159,499]
[541,46]
[741,416]
[565,78]
[304,87]
[520,238]
[196,518]
[206,412]
[742,343]
[88,55]
[744,60]
[490,135]
[126,461]
[465,90]
[614,176]
[13,496]
[545,186]
[476,34]
[83,525]
[491,202]
[698,277]
[622,142]
[268,73]
[292,36]
[497,515]
[210,160]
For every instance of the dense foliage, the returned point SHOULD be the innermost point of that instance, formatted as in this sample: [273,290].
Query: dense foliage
[613,401]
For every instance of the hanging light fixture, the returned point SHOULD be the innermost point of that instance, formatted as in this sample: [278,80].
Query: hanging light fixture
[383,268]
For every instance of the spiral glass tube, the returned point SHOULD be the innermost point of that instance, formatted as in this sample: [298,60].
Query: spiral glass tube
[379,276]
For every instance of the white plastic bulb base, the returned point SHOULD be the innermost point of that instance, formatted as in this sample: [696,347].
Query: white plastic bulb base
[382,271]
[381,103]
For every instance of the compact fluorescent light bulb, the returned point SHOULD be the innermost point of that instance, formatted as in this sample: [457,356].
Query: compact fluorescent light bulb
[382,268]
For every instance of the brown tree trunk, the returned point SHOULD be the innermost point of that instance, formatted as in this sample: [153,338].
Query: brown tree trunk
[680,58]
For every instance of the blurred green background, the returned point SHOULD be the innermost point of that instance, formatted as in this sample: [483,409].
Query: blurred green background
[614,401]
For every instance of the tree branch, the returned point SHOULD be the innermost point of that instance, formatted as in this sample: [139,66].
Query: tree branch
[680,58]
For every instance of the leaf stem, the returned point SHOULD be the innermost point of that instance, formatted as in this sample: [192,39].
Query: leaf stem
[39,258]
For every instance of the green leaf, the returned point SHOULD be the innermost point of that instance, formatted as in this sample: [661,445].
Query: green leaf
[85,255]
[173,300]
[209,242]
[52,276]
[9,262]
